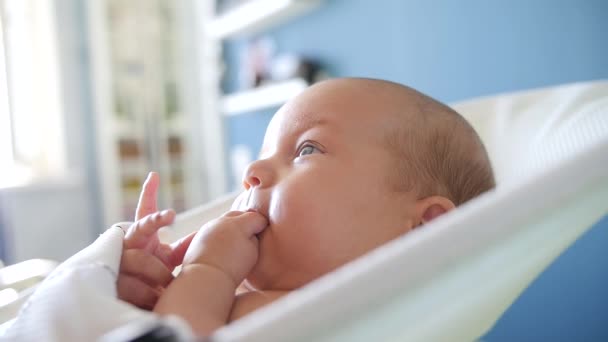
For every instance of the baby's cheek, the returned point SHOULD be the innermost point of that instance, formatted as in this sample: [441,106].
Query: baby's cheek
[287,204]
[292,211]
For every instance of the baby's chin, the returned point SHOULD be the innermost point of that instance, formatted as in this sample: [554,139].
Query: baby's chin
[256,281]
[258,277]
[269,273]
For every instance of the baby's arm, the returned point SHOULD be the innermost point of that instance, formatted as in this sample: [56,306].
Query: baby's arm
[220,256]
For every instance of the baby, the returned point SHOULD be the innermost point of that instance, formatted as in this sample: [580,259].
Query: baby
[345,167]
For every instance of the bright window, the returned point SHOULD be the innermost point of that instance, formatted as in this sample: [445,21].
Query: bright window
[31,126]
[6,145]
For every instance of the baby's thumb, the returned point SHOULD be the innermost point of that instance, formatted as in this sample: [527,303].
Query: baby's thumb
[179,248]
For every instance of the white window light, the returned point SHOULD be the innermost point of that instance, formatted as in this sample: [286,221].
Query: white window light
[6,144]
[31,93]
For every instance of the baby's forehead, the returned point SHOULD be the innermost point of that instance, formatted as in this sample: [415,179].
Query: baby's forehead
[284,126]
[347,105]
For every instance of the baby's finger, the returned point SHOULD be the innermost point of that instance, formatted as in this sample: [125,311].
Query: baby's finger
[232,213]
[253,222]
[136,292]
[146,267]
[179,248]
[140,232]
[147,198]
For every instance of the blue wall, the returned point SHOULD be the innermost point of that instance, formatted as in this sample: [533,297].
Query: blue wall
[451,50]
[568,302]
[454,50]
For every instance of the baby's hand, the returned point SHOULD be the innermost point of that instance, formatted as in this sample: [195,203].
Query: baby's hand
[146,264]
[228,243]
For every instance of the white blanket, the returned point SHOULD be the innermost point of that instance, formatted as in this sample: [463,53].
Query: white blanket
[77,302]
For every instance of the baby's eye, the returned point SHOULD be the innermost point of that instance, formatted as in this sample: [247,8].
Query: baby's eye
[307,149]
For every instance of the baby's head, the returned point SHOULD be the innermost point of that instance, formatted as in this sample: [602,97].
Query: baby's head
[351,164]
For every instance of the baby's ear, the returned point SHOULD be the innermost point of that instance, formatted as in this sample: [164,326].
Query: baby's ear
[429,208]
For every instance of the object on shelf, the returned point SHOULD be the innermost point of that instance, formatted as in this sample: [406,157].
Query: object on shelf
[177,178]
[128,148]
[254,16]
[261,65]
[265,96]
[256,61]
[288,66]
[132,183]
[174,146]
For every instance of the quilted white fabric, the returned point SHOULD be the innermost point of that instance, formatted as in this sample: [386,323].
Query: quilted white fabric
[77,301]
[526,132]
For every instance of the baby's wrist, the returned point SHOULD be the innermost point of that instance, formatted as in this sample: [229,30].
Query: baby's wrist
[203,270]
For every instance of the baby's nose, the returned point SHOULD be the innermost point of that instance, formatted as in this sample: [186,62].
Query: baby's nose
[252,181]
[258,174]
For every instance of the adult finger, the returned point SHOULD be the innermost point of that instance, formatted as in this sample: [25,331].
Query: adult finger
[145,266]
[141,231]
[135,291]
[147,199]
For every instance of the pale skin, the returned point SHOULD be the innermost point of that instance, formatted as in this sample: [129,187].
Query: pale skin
[147,264]
[318,197]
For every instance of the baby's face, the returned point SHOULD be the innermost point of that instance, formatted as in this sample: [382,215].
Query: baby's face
[322,180]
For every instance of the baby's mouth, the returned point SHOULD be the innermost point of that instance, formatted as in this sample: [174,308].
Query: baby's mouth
[246,201]
[241,202]
[267,219]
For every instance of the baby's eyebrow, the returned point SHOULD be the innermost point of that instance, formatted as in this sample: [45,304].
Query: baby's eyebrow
[300,128]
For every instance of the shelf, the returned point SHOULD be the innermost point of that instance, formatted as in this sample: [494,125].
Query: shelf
[123,128]
[256,15]
[266,96]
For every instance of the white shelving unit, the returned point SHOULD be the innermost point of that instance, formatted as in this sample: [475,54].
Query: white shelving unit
[145,118]
[262,97]
[247,19]
[257,15]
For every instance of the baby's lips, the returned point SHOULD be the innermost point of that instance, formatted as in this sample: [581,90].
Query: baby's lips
[240,203]
[254,210]
[244,202]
